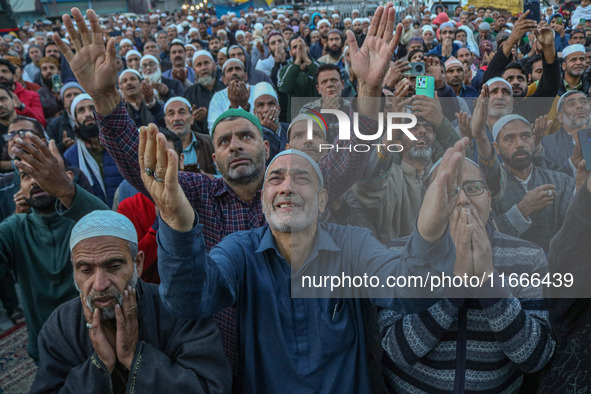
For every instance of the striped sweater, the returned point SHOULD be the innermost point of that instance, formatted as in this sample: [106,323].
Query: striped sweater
[471,345]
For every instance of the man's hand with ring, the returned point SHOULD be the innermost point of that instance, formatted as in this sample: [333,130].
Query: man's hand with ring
[164,187]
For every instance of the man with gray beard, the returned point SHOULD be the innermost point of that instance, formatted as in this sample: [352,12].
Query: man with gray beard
[164,88]
[117,336]
[574,112]
[391,191]
[206,85]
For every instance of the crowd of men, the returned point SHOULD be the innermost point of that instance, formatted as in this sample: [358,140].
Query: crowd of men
[167,182]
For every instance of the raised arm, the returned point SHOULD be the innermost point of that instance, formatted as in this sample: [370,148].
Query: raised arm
[370,62]
[95,68]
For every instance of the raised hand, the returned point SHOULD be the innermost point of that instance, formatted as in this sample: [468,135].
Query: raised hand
[395,72]
[464,123]
[442,195]
[479,115]
[94,65]
[481,246]
[370,62]
[20,203]
[101,341]
[199,113]
[540,128]
[537,199]
[46,166]
[148,91]
[67,141]
[127,327]
[429,109]
[461,234]
[162,181]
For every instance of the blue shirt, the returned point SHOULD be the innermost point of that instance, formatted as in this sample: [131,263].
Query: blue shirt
[288,345]
[190,74]
[190,151]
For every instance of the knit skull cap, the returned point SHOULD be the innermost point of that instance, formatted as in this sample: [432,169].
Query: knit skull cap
[237,112]
[304,116]
[264,88]
[100,224]
[150,57]
[69,85]
[77,100]
[202,52]
[301,154]
[132,52]
[452,61]
[322,22]
[564,96]
[484,26]
[177,98]
[572,49]
[126,41]
[130,70]
[499,124]
[499,79]
[230,61]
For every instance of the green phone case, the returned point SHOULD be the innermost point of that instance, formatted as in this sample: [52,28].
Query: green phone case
[425,86]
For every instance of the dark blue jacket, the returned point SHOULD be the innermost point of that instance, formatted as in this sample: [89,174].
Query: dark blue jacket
[111,176]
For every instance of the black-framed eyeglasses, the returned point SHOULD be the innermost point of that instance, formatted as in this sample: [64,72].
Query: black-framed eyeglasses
[21,133]
[474,188]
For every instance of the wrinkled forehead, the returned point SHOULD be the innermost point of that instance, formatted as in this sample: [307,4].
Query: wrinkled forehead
[293,165]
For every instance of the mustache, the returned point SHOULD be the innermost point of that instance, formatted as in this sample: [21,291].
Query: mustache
[35,189]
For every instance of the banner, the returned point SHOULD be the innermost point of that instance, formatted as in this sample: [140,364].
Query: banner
[513,6]
[224,9]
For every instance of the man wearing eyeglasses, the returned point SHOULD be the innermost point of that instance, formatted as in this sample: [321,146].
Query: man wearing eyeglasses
[488,337]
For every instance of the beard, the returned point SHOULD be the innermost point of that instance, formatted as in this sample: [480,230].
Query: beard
[42,204]
[108,313]
[206,80]
[243,174]
[291,222]
[7,82]
[520,163]
[88,132]
[47,82]
[571,123]
[422,155]
[154,77]
[335,52]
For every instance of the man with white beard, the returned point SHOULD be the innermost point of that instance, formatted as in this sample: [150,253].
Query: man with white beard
[164,88]
[206,85]
[574,112]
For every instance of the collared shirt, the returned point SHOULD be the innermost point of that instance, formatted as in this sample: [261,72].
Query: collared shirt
[289,344]
[190,151]
[569,88]
[220,103]
[190,74]
[220,210]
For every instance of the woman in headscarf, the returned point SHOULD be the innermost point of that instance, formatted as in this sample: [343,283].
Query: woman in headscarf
[485,48]
[315,18]
[470,41]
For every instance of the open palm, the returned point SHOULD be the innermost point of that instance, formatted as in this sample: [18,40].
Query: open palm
[93,64]
[370,62]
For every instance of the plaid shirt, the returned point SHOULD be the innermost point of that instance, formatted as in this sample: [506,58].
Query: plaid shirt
[220,210]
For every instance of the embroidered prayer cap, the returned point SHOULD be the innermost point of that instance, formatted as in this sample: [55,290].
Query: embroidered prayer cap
[103,223]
